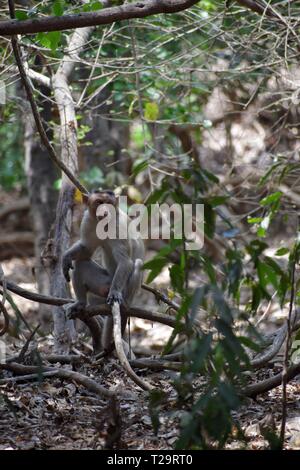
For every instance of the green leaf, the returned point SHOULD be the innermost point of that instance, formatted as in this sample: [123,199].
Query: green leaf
[57,184]
[209,269]
[230,339]
[58,7]
[254,220]
[177,277]
[50,40]
[249,343]
[228,394]
[155,265]
[96,6]
[261,232]
[257,294]
[170,248]
[151,111]
[92,6]
[210,176]
[159,194]
[217,200]
[54,37]
[198,352]
[209,220]
[139,167]
[266,275]
[274,197]
[269,172]
[282,251]
[21,15]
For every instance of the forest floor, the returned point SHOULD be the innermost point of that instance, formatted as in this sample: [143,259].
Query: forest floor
[56,414]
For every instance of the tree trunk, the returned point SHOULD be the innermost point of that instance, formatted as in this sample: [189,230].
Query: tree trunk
[64,330]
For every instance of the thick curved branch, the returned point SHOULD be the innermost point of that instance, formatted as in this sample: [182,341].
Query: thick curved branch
[120,349]
[106,16]
[265,385]
[256,6]
[90,310]
[80,379]
[280,335]
[40,298]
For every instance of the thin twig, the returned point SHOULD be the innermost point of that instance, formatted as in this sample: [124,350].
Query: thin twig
[26,345]
[160,296]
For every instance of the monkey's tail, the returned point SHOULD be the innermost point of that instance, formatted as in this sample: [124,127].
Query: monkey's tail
[6,319]
[135,281]
[120,350]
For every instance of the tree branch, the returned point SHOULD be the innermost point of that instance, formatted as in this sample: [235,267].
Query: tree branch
[279,337]
[160,297]
[66,374]
[257,7]
[265,385]
[106,16]
[117,335]
[90,311]
[35,297]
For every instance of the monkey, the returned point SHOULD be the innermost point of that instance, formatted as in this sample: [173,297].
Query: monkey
[120,277]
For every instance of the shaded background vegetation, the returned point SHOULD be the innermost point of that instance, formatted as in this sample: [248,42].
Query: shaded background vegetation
[196,107]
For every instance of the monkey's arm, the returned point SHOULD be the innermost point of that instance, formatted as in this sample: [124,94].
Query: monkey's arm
[77,252]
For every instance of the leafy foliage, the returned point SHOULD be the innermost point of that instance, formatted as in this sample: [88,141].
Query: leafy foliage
[161,77]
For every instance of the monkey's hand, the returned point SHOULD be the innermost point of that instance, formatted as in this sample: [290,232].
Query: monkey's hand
[114,296]
[74,309]
[66,266]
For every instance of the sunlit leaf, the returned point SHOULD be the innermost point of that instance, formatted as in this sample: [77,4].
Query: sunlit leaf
[151,111]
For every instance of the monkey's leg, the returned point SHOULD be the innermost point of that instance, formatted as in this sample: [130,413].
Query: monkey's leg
[88,277]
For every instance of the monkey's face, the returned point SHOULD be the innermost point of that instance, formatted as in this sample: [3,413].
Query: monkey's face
[101,198]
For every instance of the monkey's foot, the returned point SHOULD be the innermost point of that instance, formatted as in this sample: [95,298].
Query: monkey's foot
[74,309]
[127,350]
[113,297]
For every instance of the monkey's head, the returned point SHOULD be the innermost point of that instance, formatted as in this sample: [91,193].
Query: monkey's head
[98,198]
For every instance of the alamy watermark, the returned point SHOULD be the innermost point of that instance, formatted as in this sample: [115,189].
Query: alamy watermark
[157,221]
[295,357]
[2,352]
[2,92]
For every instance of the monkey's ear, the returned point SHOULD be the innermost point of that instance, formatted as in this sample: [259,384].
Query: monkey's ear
[85,198]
